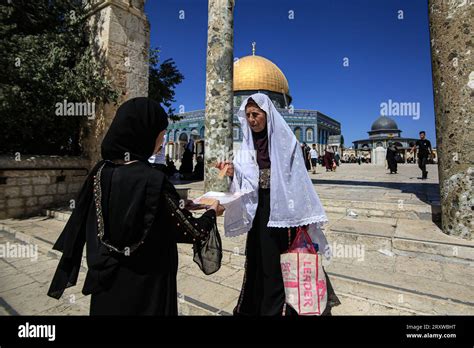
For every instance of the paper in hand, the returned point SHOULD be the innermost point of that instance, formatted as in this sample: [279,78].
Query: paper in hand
[224,198]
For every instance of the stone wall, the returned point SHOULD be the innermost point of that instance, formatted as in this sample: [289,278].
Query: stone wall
[122,42]
[30,185]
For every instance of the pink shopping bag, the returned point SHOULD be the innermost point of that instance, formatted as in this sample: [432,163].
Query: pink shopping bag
[303,276]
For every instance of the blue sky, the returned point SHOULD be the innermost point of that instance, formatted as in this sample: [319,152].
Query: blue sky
[389,58]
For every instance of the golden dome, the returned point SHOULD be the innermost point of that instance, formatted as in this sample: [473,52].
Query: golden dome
[258,73]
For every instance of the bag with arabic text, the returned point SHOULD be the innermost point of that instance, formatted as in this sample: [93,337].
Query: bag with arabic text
[303,276]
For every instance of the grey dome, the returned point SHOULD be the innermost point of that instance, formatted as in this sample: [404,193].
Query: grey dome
[384,123]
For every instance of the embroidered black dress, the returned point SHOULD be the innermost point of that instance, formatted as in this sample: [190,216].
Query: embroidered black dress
[143,283]
[130,217]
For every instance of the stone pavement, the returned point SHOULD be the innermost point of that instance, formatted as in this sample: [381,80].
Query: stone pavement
[389,256]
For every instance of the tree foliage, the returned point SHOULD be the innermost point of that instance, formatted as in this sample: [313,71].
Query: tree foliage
[163,79]
[46,58]
[49,56]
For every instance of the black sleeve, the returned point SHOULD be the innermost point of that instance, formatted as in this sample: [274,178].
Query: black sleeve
[189,228]
[429,145]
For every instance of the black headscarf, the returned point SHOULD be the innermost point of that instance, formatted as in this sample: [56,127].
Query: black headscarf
[134,129]
[131,136]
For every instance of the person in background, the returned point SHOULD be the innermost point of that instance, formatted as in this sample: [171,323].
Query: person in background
[314,158]
[158,160]
[170,166]
[328,159]
[305,149]
[186,167]
[198,173]
[423,150]
[391,158]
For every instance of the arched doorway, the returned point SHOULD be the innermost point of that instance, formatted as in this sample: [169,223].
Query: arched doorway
[309,135]
[297,132]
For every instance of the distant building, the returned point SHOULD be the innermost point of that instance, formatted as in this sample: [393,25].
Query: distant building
[383,132]
[336,143]
[254,74]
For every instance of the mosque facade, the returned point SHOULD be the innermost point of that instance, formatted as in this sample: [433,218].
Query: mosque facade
[254,74]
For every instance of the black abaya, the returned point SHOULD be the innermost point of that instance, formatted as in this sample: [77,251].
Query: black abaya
[186,162]
[130,218]
[307,163]
[144,283]
[263,292]
[391,159]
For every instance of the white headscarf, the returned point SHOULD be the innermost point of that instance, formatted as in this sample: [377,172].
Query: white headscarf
[293,199]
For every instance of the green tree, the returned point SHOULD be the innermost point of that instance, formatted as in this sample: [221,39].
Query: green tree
[46,58]
[162,81]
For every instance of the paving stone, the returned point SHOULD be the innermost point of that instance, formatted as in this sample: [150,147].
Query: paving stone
[29,299]
[208,292]
[235,280]
[220,276]
[14,281]
[419,267]
[353,305]
[6,269]
[79,307]
[402,253]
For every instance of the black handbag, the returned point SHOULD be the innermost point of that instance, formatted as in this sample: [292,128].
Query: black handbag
[208,252]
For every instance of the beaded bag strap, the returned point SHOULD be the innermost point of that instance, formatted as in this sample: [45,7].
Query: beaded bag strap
[100,218]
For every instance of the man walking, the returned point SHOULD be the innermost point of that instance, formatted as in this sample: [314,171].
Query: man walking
[423,149]
[314,158]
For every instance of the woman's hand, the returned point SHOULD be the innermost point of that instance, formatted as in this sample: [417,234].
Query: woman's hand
[217,207]
[230,167]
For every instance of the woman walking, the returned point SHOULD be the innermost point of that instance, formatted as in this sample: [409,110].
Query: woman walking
[391,158]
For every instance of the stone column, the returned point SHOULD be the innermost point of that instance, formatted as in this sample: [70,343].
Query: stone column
[452,49]
[121,35]
[219,91]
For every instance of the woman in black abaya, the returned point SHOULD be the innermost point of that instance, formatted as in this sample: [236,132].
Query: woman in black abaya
[391,158]
[130,218]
